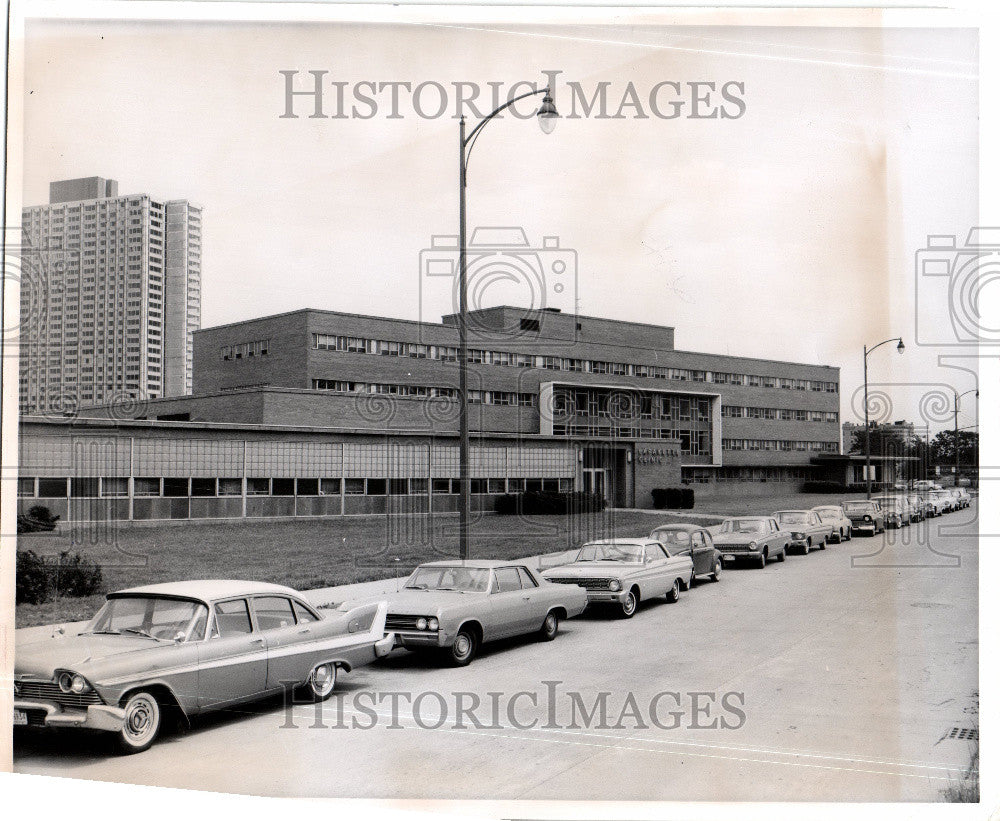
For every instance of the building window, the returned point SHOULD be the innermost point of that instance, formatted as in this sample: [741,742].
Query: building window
[231,487]
[530,325]
[175,486]
[114,486]
[203,487]
[354,487]
[329,487]
[496,486]
[307,487]
[398,487]
[375,487]
[282,487]
[418,487]
[146,486]
[84,487]
[258,487]
[441,485]
[26,487]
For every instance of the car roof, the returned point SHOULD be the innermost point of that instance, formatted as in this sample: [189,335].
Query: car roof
[755,516]
[826,507]
[475,564]
[685,527]
[857,501]
[637,541]
[208,589]
[793,510]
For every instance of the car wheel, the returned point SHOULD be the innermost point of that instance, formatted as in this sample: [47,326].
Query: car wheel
[806,547]
[762,561]
[630,604]
[850,534]
[549,627]
[464,649]
[321,682]
[822,545]
[141,723]
[690,582]
[781,555]
[674,593]
[717,571]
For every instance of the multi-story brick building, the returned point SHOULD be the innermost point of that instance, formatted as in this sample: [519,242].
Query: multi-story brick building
[555,401]
[113,297]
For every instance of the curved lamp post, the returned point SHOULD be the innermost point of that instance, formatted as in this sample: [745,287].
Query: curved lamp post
[868,453]
[957,457]
[547,116]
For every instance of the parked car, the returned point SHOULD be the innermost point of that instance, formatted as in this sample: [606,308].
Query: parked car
[920,508]
[923,485]
[961,497]
[624,572]
[942,500]
[840,525]
[805,528]
[188,648]
[454,607]
[865,515]
[695,542]
[897,510]
[756,538]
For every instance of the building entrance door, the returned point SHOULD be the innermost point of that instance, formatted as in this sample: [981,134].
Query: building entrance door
[594,482]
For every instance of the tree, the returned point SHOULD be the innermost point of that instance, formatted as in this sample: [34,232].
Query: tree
[882,442]
[943,449]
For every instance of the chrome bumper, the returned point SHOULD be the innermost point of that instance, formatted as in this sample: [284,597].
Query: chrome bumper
[384,646]
[94,717]
[606,596]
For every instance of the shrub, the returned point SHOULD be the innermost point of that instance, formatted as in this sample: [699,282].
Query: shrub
[824,487]
[546,503]
[37,580]
[38,519]
[673,498]
[31,578]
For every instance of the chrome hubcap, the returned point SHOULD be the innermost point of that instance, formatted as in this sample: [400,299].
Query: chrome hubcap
[463,645]
[550,624]
[140,718]
[322,679]
[630,603]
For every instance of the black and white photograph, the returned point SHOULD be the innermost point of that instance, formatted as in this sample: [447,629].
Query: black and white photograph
[511,412]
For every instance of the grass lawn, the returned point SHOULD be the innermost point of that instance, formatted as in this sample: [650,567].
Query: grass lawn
[312,553]
[315,553]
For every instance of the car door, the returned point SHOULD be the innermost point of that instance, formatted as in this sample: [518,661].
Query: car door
[775,538]
[232,662]
[820,532]
[507,605]
[285,639]
[536,603]
[702,552]
[657,575]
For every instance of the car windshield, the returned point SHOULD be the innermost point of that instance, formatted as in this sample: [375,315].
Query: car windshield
[450,577]
[154,617]
[678,537]
[793,518]
[893,503]
[827,511]
[858,507]
[743,526]
[627,553]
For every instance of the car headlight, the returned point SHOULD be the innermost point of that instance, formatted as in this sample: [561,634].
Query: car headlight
[79,685]
[868,518]
[65,682]
[752,545]
[614,585]
[797,535]
[421,624]
[432,624]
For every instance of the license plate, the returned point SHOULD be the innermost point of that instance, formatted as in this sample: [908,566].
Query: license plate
[20,718]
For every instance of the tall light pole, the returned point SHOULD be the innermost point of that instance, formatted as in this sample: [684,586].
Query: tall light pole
[957,456]
[868,451]
[547,115]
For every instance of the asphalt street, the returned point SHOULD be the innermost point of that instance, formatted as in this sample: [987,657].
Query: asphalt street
[834,676]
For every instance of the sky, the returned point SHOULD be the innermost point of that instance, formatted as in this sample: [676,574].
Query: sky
[788,232]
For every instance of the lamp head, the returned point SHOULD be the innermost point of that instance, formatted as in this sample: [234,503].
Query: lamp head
[547,115]
[901,347]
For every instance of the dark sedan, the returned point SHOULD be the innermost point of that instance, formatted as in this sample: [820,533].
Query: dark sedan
[695,542]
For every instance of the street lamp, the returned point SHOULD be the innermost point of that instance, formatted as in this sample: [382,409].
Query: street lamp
[957,457]
[868,453]
[547,116]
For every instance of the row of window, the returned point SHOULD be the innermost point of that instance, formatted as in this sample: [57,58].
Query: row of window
[744,474]
[779,444]
[424,392]
[624,405]
[92,487]
[695,443]
[246,349]
[448,353]
[784,414]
